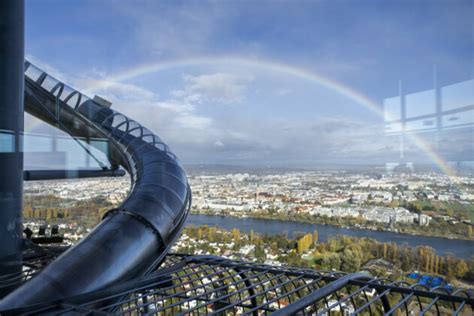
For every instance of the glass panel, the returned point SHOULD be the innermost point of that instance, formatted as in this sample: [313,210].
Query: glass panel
[118,119]
[7,142]
[84,99]
[420,103]
[101,144]
[148,138]
[136,132]
[458,95]
[75,155]
[133,125]
[393,128]
[66,92]
[33,72]
[460,119]
[423,124]
[325,113]
[392,109]
[38,143]
[73,100]
[123,127]
[160,146]
[58,90]
[49,83]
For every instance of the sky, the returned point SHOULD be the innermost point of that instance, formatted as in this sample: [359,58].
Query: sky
[260,82]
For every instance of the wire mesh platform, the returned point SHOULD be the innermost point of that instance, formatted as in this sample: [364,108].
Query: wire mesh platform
[205,285]
[35,258]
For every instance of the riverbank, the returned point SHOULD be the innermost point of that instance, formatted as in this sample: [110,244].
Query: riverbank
[340,253]
[343,223]
[443,246]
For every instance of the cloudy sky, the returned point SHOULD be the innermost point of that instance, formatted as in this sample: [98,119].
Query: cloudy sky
[257,82]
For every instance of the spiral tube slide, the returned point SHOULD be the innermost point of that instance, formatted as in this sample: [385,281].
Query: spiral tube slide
[133,238]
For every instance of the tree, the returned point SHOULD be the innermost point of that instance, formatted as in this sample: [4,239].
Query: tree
[433,263]
[351,260]
[315,237]
[450,267]
[437,265]
[300,246]
[27,211]
[260,253]
[450,212]
[332,261]
[236,235]
[406,262]
[332,245]
[470,274]
[394,251]
[427,262]
[304,243]
[211,232]
[460,268]
[442,266]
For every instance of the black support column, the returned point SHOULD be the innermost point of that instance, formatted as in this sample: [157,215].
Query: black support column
[11,130]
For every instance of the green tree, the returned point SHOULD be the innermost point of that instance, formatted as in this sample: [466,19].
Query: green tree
[406,261]
[351,258]
[260,253]
[236,235]
[315,237]
[460,269]
[331,261]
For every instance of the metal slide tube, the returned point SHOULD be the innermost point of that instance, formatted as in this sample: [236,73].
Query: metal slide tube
[133,238]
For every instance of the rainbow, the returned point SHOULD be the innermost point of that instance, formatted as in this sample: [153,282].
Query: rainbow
[274,66]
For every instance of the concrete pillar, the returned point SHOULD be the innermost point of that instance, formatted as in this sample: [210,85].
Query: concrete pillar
[11,133]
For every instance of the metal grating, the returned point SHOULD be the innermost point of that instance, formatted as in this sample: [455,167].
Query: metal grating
[35,258]
[205,285]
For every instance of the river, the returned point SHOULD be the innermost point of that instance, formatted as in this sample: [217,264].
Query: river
[459,248]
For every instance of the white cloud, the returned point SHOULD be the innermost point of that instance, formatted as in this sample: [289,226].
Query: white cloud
[189,120]
[283,92]
[218,143]
[177,106]
[116,90]
[220,88]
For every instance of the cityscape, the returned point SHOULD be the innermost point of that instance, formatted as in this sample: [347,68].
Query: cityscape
[388,201]
[236,157]
[420,203]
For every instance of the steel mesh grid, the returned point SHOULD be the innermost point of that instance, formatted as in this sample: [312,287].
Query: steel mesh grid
[34,260]
[205,285]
